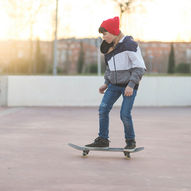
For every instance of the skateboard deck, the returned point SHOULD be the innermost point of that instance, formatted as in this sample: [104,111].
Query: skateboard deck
[85,150]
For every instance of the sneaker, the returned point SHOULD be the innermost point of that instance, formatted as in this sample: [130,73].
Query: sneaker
[131,145]
[99,142]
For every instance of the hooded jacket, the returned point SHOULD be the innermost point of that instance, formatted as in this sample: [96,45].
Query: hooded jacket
[124,64]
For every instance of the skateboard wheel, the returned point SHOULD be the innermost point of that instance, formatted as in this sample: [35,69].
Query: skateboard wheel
[127,155]
[85,152]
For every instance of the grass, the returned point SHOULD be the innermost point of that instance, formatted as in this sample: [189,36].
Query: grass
[168,75]
[90,74]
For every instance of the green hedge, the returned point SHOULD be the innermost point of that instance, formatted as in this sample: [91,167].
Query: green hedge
[183,68]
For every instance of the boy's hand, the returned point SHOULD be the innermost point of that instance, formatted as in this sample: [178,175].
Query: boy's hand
[128,91]
[102,88]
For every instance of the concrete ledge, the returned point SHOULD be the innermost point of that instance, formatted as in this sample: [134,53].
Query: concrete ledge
[83,91]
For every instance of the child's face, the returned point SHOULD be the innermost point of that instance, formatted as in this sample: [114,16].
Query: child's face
[108,37]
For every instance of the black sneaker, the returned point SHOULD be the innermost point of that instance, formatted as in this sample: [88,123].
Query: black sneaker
[99,142]
[131,145]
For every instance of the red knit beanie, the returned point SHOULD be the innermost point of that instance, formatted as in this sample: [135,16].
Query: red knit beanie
[111,25]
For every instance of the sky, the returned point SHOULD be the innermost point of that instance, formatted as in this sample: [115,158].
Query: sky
[157,20]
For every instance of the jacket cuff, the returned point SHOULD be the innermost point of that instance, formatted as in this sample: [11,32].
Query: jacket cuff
[106,82]
[131,84]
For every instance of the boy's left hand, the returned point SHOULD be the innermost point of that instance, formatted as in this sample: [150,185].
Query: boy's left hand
[128,91]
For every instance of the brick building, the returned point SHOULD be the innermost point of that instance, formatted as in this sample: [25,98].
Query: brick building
[155,54]
[69,51]
[12,50]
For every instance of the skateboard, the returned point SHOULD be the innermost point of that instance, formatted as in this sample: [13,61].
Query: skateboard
[85,151]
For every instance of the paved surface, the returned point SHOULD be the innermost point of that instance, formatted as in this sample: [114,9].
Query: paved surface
[34,155]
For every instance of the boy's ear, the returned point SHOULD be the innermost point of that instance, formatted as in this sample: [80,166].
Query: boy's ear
[105,46]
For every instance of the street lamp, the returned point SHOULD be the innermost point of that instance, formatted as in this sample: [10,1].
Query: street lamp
[55,42]
[98,40]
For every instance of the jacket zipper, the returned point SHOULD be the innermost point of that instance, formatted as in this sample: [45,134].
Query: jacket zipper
[115,69]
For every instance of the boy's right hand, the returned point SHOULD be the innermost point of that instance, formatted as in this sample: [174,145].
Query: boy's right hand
[102,88]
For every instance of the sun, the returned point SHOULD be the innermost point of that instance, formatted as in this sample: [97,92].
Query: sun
[5,24]
[43,28]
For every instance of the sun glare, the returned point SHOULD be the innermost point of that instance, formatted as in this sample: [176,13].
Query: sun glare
[164,20]
[5,23]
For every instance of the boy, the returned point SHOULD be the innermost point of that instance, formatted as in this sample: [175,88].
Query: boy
[124,70]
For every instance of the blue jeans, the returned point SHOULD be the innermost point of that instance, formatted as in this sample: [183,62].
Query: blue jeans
[110,97]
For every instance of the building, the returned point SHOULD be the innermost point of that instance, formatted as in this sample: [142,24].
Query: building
[13,50]
[69,51]
[155,54]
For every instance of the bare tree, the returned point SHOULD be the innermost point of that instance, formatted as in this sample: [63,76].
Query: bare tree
[25,14]
[129,6]
[124,6]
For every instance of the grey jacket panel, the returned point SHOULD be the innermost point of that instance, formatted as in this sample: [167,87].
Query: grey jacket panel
[130,77]
[136,76]
[107,75]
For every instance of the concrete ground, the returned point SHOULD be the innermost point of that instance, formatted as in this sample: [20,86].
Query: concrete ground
[34,155]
